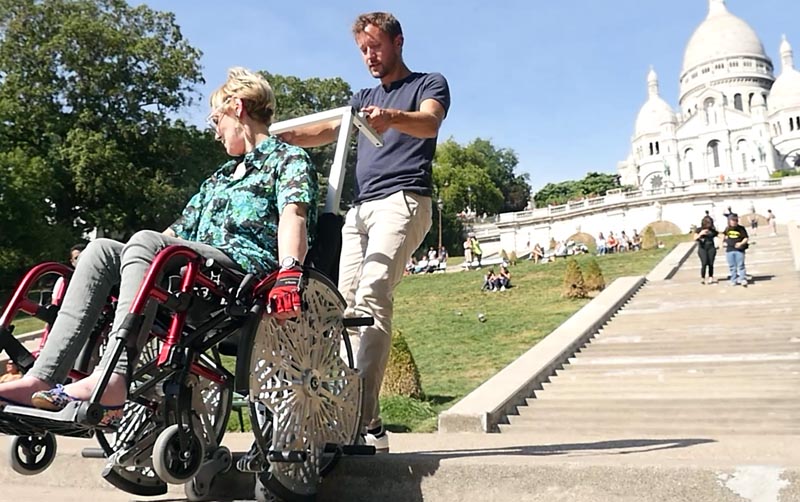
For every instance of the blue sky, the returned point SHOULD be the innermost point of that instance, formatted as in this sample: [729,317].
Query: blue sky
[559,82]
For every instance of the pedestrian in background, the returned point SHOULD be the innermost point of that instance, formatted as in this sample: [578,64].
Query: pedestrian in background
[735,238]
[706,249]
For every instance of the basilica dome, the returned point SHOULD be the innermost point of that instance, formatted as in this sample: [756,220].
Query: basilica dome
[719,36]
[655,112]
[785,93]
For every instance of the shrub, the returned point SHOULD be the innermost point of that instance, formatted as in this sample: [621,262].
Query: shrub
[503,255]
[649,238]
[573,281]
[553,243]
[512,258]
[402,375]
[593,278]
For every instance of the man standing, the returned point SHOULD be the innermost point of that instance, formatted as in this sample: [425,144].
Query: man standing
[735,238]
[392,205]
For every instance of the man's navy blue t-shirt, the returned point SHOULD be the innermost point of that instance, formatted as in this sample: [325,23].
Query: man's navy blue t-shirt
[403,162]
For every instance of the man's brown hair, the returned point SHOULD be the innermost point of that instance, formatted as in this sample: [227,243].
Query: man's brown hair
[383,20]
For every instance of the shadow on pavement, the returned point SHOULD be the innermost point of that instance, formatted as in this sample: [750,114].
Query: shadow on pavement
[365,479]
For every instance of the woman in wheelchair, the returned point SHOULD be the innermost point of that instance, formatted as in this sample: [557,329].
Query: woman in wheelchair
[252,215]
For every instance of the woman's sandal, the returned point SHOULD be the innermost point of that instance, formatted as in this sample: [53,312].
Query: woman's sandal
[56,399]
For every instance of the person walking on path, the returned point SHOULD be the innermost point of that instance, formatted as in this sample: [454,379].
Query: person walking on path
[773,226]
[735,238]
[706,249]
[392,206]
[476,249]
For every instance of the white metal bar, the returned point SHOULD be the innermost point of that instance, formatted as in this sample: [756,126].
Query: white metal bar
[348,118]
[367,130]
[336,176]
[308,120]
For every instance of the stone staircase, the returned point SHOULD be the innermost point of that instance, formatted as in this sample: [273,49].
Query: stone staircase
[683,358]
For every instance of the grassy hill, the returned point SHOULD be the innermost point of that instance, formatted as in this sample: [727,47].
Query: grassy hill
[438,314]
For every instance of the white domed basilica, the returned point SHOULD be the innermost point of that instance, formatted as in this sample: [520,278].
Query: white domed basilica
[736,121]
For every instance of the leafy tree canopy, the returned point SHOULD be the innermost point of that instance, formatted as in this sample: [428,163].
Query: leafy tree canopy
[479,176]
[87,88]
[592,185]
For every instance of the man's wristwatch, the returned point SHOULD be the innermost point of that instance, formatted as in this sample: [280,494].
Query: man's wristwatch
[289,262]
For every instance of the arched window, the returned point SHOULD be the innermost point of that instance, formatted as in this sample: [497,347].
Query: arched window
[791,123]
[708,103]
[657,148]
[750,100]
[741,147]
[688,158]
[651,148]
[737,102]
[712,151]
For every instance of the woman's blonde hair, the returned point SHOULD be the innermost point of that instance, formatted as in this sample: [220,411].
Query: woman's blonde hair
[252,88]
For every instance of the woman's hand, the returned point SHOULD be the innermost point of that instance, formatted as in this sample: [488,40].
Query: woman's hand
[284,299]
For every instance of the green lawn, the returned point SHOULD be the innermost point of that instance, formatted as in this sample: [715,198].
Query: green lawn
[438,314]
[25,324]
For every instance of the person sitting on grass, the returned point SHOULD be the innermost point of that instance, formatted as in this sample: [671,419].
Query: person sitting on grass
[611,243]
[601,244]
[537,255]
[624,242]
[488,281]
[503,279]
[636,241]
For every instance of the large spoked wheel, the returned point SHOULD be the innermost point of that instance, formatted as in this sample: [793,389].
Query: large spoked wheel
[303,373]
[177,460]
[30,455]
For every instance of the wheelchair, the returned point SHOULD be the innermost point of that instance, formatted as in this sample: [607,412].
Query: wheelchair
[303,391]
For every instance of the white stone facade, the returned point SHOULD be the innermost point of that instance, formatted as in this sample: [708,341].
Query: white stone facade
[736,121]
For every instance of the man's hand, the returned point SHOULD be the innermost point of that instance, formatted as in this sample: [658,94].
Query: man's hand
[283,300]
[379,119]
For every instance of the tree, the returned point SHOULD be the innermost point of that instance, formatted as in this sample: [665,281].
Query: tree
[487,171]
[593,277]
[573,281]
[402,374]
[86,92]
[592,185]
[649,240]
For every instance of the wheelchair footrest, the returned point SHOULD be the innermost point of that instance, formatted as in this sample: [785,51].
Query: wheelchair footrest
[291,457]
[23,421]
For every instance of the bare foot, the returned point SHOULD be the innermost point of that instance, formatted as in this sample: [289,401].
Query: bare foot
[115,394]
[21,390]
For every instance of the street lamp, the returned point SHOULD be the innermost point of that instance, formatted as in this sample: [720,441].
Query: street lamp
[440,205]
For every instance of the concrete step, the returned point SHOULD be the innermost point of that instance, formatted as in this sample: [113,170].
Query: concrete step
[723,366]
[658,429]
[614,336]
[698,347]
[668,393]
[659,381]
[636,415]
[672,404]
[758,372]
[685,359]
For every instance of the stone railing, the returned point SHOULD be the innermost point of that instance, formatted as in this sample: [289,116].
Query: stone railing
[617,196]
